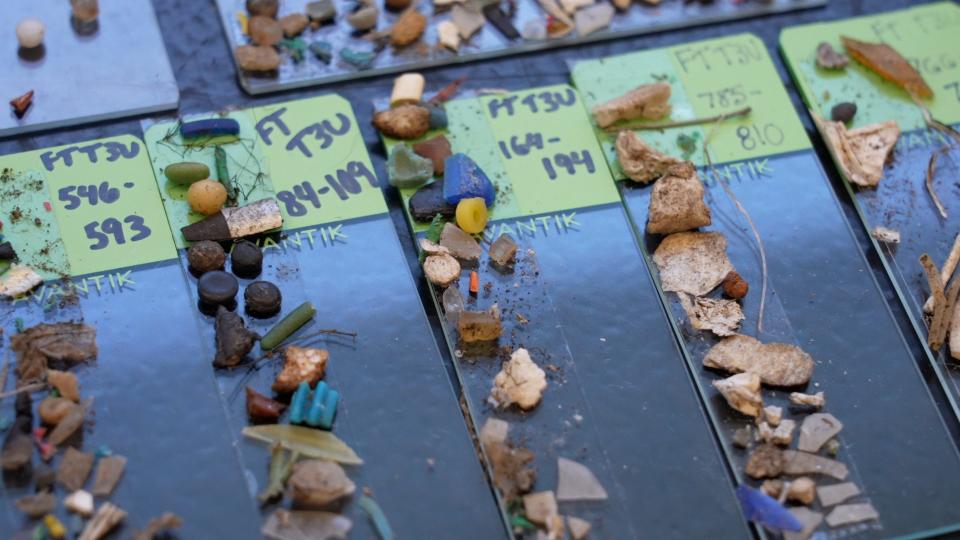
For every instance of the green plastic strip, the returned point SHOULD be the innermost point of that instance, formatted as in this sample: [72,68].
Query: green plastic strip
[707,78]
[925,35]
[537,148]
[84,208]
[308,153]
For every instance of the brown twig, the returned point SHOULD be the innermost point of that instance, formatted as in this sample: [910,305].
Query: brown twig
[947,271]
[28,388]
[931,171]
[3,374]
[447,92]
[933,123]
[941,300]
[743,210]
[640,126]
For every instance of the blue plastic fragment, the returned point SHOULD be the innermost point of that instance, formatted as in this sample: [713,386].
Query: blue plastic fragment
[464,179]
[103,451]
[765,510]
[211,127]
[298,403]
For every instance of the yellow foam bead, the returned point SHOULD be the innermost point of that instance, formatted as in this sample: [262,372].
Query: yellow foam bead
[472,215]
[55,528]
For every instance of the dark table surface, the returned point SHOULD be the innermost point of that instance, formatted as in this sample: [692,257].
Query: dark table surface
[201,60]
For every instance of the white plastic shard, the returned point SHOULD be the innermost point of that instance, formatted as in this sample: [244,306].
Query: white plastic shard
[576,482]
[816,430]
[19,280]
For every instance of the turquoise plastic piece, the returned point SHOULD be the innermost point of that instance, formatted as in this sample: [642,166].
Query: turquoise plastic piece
[298,404]
[329,410]
[316,404]
[323,407]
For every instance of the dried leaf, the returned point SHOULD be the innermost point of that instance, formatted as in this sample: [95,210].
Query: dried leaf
[309,442]
[885,61]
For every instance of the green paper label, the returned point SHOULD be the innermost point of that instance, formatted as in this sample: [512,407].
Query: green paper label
[308,153]
[535,145]
[83,208]
[707,79]
[925,35]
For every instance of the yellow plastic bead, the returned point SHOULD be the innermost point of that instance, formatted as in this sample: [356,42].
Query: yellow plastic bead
[207,197]
[55,528]
[472,215]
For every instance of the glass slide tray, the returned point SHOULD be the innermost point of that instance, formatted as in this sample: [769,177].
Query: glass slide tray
[488,42]
[79,78]
[619,397]
[821,295]
[339,250]
[88,217]
[927,37]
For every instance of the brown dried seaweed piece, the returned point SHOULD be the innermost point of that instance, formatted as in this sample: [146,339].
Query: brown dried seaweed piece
[722,317]
[60,342]
[777,364]
[692,262]
[647,101]
[863,151]
[885,61]
[109,471]
[797,462]
[166,521]
[676,202]
[639,161]
[74,469]
[510,472]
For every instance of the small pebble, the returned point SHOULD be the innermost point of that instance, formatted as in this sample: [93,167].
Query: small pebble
[246,259]
[843,112]
[206,256]
[357,59]
[267,8]
[734,286]
[438,116]
[30,33]
[217,288]
[262,299]
[364,18]
[321,11]
[322,50]
[257,59]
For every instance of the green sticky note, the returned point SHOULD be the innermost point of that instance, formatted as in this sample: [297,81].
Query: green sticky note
[84,208]
[321,170]
[308,153]
[925,35]
[535,145]
[708,79]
